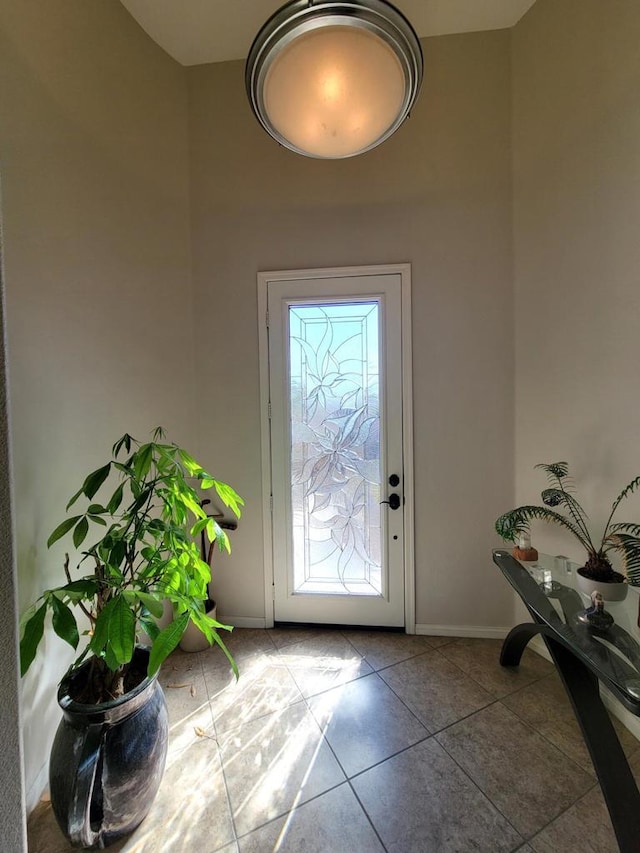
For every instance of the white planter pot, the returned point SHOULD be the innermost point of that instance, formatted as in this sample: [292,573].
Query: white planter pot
[608,591]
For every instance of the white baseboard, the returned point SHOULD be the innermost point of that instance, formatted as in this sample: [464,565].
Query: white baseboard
[479,631]
[243,621]
[628,720]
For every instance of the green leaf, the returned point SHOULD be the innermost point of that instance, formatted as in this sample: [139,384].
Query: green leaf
[87,586]
[61,529]
[118,551]
[156,525]
[171,581]
[115,572]
[188,498]
[141,498]
[110,659]
[152,604]
[560,497]
[218,639]
[74,498]
[229,497]
[115,500]
[101,629]
[95,480]
[121,630]
[189,462]
[114,632]
[629,489]
[510,525]
[96,509]
[219,535]
[150,627]
[126,441]
[628,545]
[166,641]
[98,520]
[79,534]
[554,470]
[213,529]
[199,526]
[33,631]
[627,526]
[64,622]
[142,462]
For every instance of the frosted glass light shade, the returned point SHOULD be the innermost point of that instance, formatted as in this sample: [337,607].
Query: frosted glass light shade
[334,79]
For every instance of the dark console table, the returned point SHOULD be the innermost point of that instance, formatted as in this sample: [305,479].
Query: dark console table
[584,656]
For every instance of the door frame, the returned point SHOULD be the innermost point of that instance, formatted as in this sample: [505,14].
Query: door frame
[263,280]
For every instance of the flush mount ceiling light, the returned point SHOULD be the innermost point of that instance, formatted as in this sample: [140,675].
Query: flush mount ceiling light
[332,79]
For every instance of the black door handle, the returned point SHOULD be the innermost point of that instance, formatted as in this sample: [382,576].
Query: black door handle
[394,501]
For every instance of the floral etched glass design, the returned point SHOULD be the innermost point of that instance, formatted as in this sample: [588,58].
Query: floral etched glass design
[335,448]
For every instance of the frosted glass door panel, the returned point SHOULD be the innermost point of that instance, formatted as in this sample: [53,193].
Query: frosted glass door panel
[334,396]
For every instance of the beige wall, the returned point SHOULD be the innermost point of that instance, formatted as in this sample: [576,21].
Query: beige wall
[437,195]
[576,142]
[93,157]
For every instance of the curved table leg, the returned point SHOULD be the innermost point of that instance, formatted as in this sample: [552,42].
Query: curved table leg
[610,763]
[516,642]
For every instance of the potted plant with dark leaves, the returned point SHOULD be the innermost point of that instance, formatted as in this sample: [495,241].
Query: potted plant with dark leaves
[561,507]
[109,751]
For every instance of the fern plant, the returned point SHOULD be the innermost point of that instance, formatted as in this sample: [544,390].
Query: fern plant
[620,537]
[146,552]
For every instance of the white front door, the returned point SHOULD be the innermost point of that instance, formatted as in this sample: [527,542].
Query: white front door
[336,447]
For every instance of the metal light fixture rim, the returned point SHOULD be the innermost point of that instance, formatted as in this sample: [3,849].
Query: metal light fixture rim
[298,17]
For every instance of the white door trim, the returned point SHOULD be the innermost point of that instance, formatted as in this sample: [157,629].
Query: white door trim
[263,279]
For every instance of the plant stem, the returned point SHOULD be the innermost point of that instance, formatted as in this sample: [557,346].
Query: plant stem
[82,607]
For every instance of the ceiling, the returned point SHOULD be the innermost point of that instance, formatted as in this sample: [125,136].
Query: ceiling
[199,31]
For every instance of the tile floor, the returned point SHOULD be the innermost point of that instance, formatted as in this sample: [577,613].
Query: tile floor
[366,742]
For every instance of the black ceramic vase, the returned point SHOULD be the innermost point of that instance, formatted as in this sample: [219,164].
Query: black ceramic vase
[107,761]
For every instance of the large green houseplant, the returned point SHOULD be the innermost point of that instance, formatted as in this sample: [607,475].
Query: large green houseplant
[621,537]
[146,552]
